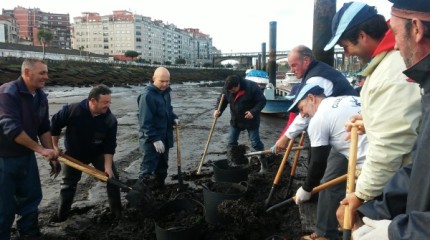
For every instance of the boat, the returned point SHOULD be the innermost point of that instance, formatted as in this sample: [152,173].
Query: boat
[279,98]
[258,76]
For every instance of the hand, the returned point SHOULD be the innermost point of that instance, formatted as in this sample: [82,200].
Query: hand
[55,168]
[248,115]
[348,126]
[353,204]
[281,144]
[216,114]
[302,196]
[379,230]
[159,146]
[273,148]
[176,121]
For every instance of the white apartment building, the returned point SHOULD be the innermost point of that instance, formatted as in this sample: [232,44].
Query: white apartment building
[8,29]
[155,41]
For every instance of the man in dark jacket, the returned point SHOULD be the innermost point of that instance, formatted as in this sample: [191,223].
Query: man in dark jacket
[24,121]
[156,120]
[246,101]
[403,209]
[91,138]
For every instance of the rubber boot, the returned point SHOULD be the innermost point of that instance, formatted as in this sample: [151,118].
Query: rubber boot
[66,200]
[263,164]
[115,207]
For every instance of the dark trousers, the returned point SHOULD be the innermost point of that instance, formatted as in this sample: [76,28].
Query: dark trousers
[154,163]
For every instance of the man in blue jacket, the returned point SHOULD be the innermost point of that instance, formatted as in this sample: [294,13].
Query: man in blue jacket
[246,101]
[156,120]
[24,121]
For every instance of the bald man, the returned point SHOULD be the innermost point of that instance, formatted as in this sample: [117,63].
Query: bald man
[156,120]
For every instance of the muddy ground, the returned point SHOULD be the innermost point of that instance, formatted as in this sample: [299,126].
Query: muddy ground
[245,218]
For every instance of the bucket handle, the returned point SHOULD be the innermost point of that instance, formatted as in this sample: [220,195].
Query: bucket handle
[184,194]
[244,184]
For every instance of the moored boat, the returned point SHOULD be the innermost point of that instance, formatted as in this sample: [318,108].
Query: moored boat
[258,76]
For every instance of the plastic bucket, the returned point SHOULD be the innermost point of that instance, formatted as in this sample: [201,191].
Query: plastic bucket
[190,227]
[223,172]
[214,194]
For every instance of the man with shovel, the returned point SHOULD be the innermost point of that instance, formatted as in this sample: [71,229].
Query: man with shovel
[326,131]
[91,138]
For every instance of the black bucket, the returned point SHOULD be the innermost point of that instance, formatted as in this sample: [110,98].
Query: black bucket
[223,172]
[189,228]
[212,198]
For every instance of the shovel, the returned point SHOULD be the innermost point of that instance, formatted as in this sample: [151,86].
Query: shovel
[269,151]
[280,170]
[314,190]
[350,183]
[199,170]
[294,166]
[134,196]
[181,185]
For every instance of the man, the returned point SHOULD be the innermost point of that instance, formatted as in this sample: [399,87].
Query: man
[156,120]
[246,101]
[304,65]
[391,128]
[326,131]
[403,210]
[91,138]
[24,120]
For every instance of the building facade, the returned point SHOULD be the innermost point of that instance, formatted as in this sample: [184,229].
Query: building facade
[8,29]
[153,40]
[33,19]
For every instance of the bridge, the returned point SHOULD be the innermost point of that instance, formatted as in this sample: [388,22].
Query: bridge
[245,58]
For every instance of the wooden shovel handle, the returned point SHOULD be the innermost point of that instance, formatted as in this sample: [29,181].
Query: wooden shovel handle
[283,162]
[210,136]
[76,164]
[350,184]
[296,157]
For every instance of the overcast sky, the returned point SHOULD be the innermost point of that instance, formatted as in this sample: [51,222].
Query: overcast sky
[234,25]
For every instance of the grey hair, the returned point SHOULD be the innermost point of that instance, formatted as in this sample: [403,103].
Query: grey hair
[30,62]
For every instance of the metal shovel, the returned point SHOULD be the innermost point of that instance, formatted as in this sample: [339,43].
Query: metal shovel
[135,197]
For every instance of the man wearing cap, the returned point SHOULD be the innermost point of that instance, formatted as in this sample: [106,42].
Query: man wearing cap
[326,131]
[403,210]
[391,127]
[303,64]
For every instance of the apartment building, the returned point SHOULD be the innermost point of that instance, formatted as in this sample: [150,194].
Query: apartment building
[8,29]
[32,19]
[155,41]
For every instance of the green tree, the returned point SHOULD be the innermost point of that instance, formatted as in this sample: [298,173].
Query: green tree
[44,36]
[180,61]
[131,53]
[81,48]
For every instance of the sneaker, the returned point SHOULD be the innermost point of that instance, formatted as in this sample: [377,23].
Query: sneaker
[313,236]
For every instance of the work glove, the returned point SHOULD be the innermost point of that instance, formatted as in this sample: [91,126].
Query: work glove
[159,146]
[273,148]
[55,168]
[379,230]
[176,121]
[302,196]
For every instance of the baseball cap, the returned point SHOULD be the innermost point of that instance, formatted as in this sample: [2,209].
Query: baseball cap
[350,15]
[307,89]
[411,8]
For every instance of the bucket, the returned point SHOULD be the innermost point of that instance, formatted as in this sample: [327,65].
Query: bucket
[223,172]
[179,219]
[217,192]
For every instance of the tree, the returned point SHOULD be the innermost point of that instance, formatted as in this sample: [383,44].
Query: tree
[44,36]
[131,53]
[81,48]
[180,61]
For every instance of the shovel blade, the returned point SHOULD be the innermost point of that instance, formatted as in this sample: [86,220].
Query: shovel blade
[140,196]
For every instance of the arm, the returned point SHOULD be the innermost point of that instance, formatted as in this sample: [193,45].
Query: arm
[108,164]
[317,166]
[147,121]
[26,141]
[391,130]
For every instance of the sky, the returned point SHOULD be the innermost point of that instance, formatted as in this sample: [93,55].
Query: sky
[235,26]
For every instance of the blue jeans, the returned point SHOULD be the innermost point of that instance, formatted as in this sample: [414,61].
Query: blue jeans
[153,162]
[20,193]
[253,135]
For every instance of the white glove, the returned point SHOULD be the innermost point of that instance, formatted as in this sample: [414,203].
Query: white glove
[176,121]
[361,231]
[379,229]
[273,148]
[302,196]
[159,146]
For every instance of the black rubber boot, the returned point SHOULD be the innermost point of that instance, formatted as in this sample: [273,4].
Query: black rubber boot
[115,207]
[66,200]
